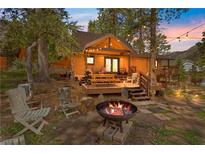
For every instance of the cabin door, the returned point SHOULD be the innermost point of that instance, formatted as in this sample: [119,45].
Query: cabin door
[112,65]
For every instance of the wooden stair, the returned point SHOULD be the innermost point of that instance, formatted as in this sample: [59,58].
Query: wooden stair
[138,94]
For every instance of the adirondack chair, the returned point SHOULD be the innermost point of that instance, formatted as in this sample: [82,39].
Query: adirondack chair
[66,105]
[31,103]
[28,90]
[20,140]
[25,115]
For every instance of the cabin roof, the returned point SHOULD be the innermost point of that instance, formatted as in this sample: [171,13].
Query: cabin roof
[85,38]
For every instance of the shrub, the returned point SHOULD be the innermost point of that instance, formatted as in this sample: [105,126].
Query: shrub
[18,65]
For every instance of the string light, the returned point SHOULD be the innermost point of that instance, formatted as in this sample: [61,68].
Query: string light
[187,33]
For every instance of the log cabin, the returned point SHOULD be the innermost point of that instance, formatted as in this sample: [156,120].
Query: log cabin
[110,54]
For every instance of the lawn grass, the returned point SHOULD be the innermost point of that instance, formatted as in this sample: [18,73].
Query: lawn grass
[10,79]
[12,129]
[192,137]
[163,135]
[200,114]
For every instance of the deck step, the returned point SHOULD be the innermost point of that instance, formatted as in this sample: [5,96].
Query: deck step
[136,90]
[141,98]
[138,93]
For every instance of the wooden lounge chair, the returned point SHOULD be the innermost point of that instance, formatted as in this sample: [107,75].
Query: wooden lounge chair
[28,90]
[14,141]
[66,105]
[23,114]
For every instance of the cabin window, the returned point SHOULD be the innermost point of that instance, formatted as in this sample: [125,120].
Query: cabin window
[112,65]
[90,60]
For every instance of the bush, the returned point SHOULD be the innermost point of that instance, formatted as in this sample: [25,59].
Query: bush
[17,65]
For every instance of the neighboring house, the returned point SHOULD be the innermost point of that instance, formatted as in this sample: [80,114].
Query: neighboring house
[188,64]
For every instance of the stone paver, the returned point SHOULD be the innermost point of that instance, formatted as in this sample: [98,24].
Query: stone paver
[143,103]
[173,115]
[144,111]
[161,116]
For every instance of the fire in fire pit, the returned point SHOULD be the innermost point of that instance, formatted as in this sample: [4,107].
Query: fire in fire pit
[116,111]
[118,108]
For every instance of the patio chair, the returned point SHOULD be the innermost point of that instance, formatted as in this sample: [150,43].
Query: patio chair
[134,78]
[66,105]
[20,140]
[28,117]
[31,103]
[28,90]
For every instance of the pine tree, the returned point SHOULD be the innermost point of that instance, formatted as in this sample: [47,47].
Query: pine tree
[47,30]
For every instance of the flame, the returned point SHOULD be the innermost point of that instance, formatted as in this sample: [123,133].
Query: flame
[118,108]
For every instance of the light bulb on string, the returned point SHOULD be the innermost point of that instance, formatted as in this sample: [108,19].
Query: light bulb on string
[187,35]
[179,39]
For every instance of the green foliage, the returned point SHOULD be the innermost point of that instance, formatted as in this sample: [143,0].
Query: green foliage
[18,65]
[11,78]
[163,136]
[25,26]
[201,49]
[181,71]
[133,25]
[12,129]
[169,92]
[201,114]
[32,138]
[192,137]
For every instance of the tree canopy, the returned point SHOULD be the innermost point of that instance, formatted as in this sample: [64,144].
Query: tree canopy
[133,25]
[49,31]
[24,26]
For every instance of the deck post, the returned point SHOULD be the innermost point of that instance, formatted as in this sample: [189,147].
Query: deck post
[85,57]
[129,64]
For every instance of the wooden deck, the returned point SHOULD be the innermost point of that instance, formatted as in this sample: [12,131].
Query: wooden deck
[107,89]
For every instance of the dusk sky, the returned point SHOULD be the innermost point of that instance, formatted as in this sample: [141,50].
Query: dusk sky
[189,20]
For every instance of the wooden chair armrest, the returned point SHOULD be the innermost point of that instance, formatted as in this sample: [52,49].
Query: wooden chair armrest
[38,102]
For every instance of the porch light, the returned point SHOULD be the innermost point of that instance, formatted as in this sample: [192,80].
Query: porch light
[118,40]
[178,93]
[156,64]
[144,26]
[195,98]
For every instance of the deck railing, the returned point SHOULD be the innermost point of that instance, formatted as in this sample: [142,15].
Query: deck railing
[145,83]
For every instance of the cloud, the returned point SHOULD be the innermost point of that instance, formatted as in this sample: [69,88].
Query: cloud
[83,19]
[182,45]
[174,31]
[79,16]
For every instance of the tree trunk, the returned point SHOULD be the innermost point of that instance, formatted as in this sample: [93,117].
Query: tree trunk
[153,48]
[141,31]
[43,75]
[114,20]
[29,62]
